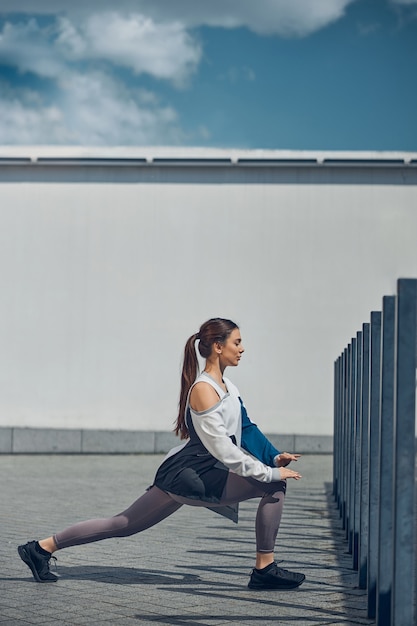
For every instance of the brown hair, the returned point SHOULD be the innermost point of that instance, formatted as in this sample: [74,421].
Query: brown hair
[215,330]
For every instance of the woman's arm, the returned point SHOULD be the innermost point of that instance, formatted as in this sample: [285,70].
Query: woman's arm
[255,442]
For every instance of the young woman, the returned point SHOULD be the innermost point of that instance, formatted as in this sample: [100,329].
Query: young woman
[225,460]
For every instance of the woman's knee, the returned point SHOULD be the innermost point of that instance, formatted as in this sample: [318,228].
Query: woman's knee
[279,487]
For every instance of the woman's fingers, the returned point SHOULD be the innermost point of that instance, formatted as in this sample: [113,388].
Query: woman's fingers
[285,458]
[292,457]
[287,473]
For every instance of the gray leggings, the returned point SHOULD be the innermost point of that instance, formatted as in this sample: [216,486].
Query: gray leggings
[155,505]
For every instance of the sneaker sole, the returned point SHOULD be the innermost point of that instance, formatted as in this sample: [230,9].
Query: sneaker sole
[26,559]
[261,586]
[268,588]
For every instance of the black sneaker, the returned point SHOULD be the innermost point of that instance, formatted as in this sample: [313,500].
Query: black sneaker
[274,577]
[38,563]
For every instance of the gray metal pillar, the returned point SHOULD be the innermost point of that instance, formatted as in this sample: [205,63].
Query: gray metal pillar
[352,446]
[364,503]
[404,554]
[336,382]
[337,436]
[345,437]
[357,453]
[386,446]
[373,460]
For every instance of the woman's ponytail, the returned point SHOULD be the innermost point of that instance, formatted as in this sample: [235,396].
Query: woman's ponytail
[189,373]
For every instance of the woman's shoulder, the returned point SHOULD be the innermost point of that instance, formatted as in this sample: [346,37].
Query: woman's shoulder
[203,396]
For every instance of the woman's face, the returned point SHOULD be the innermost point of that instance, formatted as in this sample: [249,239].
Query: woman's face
[232,350]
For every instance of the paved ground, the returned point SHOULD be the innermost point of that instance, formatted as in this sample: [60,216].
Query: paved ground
[191,570]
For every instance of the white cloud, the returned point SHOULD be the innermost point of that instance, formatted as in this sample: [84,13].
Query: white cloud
[265,17]
[101,110]
[25,46]
[24,119]
[282,17]
[236,74]
[165,51]
[368,28]
[91,109]
[85,103]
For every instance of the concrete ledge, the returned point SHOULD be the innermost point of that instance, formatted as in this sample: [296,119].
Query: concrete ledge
[6,440]
[284,443]
[313,444]
[164,441]
[45,441]
[62,441]
[117,442]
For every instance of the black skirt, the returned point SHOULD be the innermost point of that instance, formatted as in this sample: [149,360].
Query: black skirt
[193,473]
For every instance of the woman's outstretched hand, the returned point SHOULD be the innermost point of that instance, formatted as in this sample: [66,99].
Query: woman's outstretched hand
[285,458]
[288,473]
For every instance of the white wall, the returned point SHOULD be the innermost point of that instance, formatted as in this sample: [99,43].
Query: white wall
[101,283]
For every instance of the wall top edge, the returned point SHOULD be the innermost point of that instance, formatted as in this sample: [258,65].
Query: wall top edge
[174,156]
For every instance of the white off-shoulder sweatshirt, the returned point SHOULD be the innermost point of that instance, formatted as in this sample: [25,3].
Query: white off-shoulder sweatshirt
[217,425]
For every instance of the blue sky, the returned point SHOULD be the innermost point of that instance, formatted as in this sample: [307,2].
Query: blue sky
[273,74]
